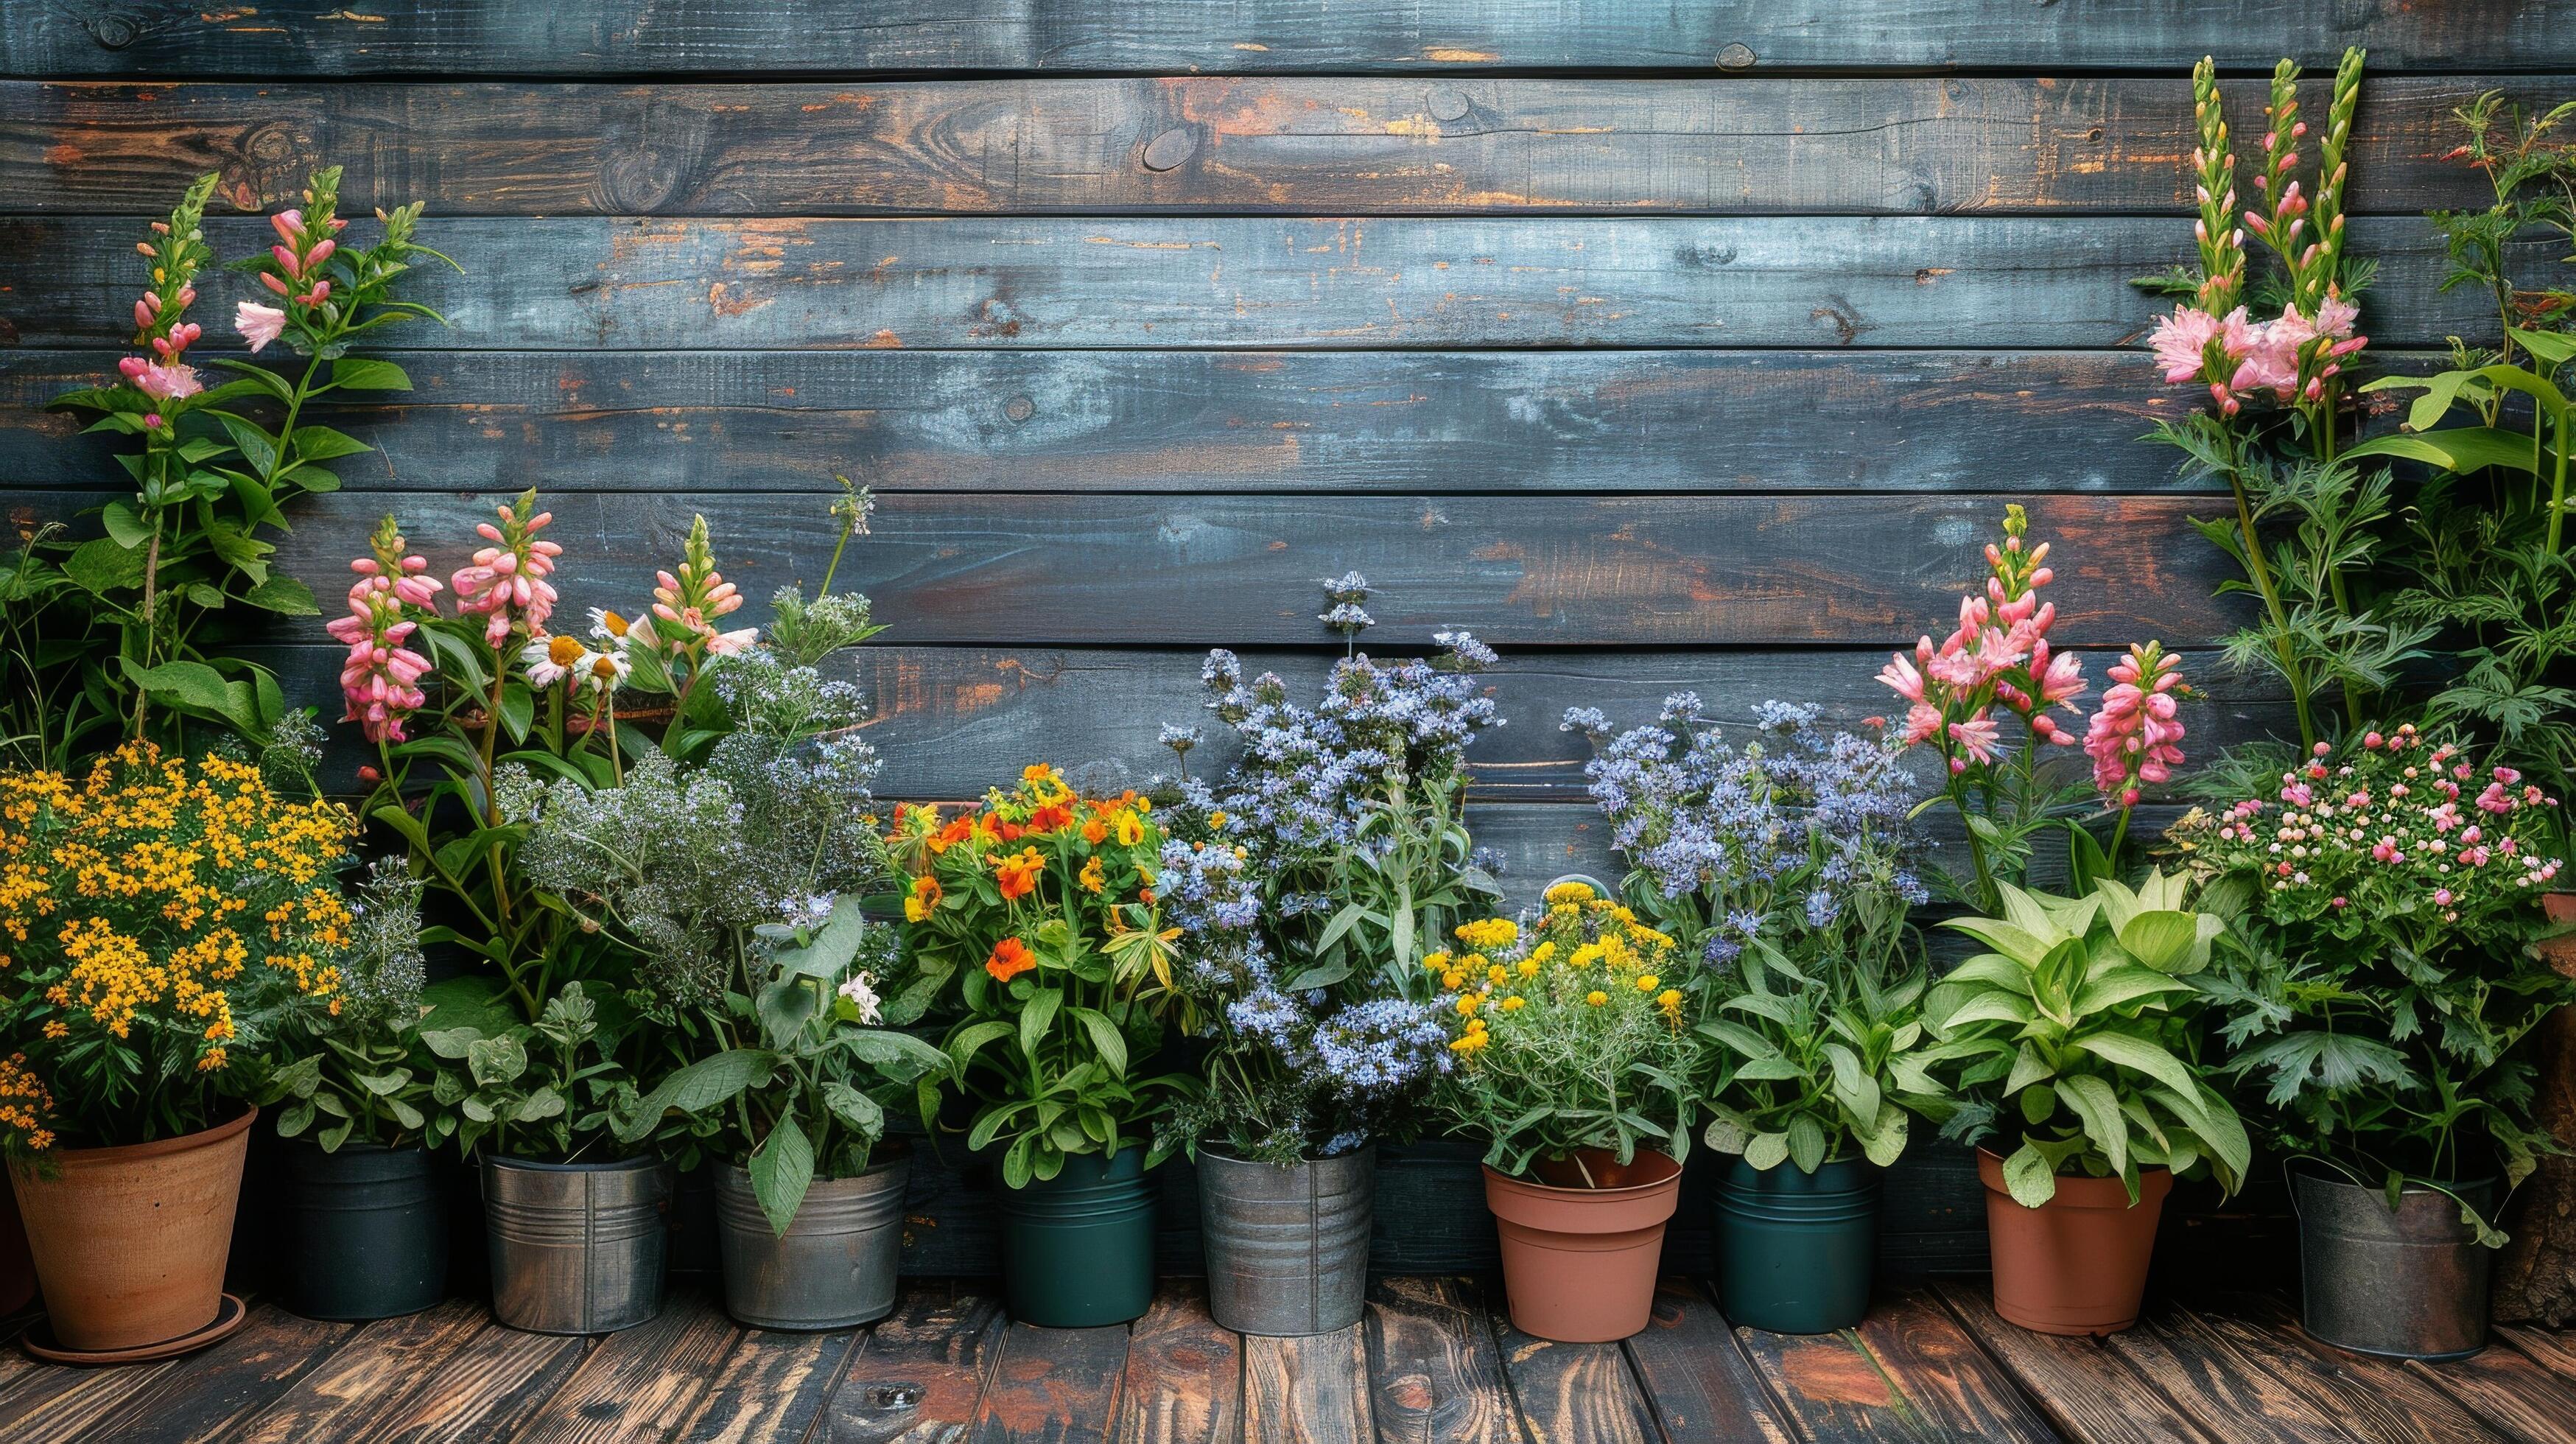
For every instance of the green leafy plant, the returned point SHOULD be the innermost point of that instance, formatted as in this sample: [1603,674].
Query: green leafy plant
[1814,1065]
[2071,1038]
[360,1072]
[547,1090]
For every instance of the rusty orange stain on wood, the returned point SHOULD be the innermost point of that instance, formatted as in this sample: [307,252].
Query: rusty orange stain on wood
[1834,1374]
[728,304]
[883,341]
[1448,56]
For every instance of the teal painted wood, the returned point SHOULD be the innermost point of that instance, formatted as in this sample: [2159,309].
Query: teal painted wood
[1252,282]
[589,37]
[1300,145]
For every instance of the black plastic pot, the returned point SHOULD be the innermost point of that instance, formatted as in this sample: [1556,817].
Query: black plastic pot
[361,1233]
[1795,1251]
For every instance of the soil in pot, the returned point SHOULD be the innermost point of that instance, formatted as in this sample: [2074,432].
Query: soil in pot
[359,1233]
[577,1248]
[834,1268]
[1580,1263]
[2078,1263]
[1796,1251]
[1287,1248]
[130,1242]
[1078,1249]
[2408,1284]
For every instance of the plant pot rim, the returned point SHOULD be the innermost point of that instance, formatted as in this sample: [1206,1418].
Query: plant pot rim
[1983,1152]
[637,1163]
[734,1175]
[158,1147]
[356,1146]
[1625,1190]
[1790,1165]
[2304,1166]
[1219,1149]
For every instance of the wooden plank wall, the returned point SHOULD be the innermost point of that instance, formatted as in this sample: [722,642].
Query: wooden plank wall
[1665,345]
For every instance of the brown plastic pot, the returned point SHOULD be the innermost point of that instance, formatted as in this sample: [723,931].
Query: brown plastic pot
[130,1243]
[1579,1264]
[2559,952]
[2076,1264]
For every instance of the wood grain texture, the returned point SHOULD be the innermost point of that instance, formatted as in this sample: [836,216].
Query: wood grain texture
[1434,1365]
[1695,1374]
[1241,571]
[639,1383]
[487,1389]
[1571,1393]
[1241,282]
[1184,421]
[769,1386]
[1308,1390]
[1053,1386]
[2219,1385]
[1184,1380]
[2371,1399]
[368,1378]
[2505,1388]
[207,1398]
[49,1405]
[1909,1371]
[2088,1391]
[920,1373]
[1362,146]
[314,37]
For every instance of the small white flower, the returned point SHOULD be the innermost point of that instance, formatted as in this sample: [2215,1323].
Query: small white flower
[862,993]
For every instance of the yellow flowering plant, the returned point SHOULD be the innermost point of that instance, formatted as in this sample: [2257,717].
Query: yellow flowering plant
[1570,1034]
[160,920]
[1037,915]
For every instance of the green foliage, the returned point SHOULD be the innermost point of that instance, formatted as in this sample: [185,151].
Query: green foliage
[1813,1064]
[545,1090]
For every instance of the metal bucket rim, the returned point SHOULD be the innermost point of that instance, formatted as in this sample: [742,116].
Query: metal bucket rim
[638,1164]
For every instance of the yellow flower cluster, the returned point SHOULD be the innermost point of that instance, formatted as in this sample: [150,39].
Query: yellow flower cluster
[156,896]
[25,1105]
[1583,952]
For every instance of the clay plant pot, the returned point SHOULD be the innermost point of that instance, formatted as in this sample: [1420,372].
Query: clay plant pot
[130,1242]
[1579,1264]
[2559,952]
[2076,1264]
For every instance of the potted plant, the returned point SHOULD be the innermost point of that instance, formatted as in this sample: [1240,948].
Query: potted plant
[161,916]
[1038,914]
[2376,982]
[360,1210]
[1575,1065]
[2074,1051]
[1277,878]
[809,1205]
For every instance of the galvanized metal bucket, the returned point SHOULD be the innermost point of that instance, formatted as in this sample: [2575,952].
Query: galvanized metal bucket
[2408,1284]
[577,1248]
[1287,1248]
[834,1268]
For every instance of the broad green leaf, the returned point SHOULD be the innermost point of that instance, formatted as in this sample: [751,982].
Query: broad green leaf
[2160,940]
[899,1057]
[2130,1052]
[2099,1107]
[1035,1015]
[1767,1150]
[366,373]
[321,443]
[283,595]
[1806,1143]
[2029,1177]
[2016,943]
[855,1109]
[1105,1037]
[781,1170]
[2459,448]
[99,565]
[2125,985]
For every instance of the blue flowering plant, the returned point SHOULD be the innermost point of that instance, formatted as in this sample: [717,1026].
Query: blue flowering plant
[1352,812]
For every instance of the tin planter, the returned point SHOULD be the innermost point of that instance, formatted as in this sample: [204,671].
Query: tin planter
[360,1233]
[2076,1264]
[1796,1250]
[1287,1248]
[1580,1263]
[834,1268]
[1078,1249]
[130,1242]
[2407,1284]
[576,1248]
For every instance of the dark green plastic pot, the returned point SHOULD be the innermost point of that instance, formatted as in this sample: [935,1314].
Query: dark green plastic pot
[362,1232]
[1795,1251]
[1078,1249]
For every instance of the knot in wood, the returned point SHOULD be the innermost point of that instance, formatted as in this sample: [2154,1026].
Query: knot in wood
[1019,408]
[114,32]
[1736,56]
[1447,103]
[1171,148]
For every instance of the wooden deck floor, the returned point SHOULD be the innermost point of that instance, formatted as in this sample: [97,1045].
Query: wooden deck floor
[1434,1361]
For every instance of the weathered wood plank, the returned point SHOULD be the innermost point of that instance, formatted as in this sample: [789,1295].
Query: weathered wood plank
[1307,1390]
[1184,1374]
[2504,1387]
[2089,1392]
[368,1378]
[1053,1386]
[209,1396]
[1998,145]
[2219,1385]
[1519,571]
[584,283]
[1434,1365]
[2372,1399]
[1696,1376]
[56,1402]
[487,1389]
[311,37]
[1909,1371]
[1184,421]
[769,1386]
[641,1383]
[920,1373]
[1571,1393]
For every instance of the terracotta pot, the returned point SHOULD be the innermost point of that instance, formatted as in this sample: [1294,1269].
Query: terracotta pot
[130,1243]
[1579,1264]
[2559,952]
[2076,1264]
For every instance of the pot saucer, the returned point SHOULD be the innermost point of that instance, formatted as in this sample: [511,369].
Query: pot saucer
[229,1316]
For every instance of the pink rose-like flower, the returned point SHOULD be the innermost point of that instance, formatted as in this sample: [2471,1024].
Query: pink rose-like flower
[2136,736]
[168,383]
[2181,342]
[1977,736]
[258,324]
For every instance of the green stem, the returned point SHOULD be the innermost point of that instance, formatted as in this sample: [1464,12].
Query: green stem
[2557,483]
[2261,572]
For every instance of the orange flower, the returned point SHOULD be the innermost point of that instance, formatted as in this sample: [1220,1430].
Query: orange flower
[1010,958]
[1019,873]
[1095,831]
[1092,878]
[1053,816]
[923,900]
[958,830]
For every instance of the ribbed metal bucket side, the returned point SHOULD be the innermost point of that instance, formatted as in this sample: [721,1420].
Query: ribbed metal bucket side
[576,1249]
[834,1268]
[2405,1284]
[1287,1248]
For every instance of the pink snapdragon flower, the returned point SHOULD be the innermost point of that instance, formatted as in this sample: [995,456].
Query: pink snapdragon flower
[166,382]
[381,677]
[2181,342]
[688,603]
[506,582]
[2137,736]
[258,324]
